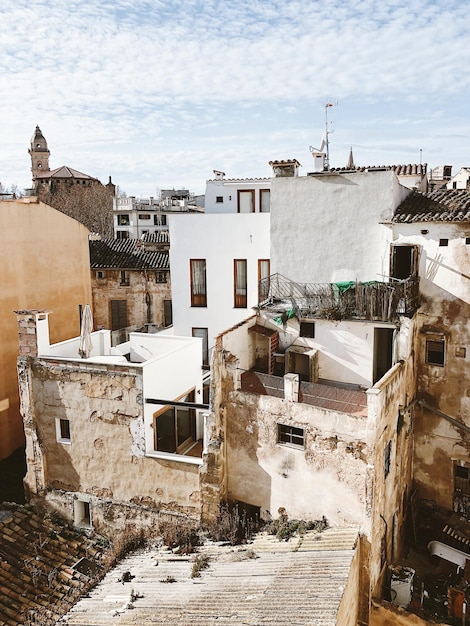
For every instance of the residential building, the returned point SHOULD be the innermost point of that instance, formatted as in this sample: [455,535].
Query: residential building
[131,283]
[237,195]
[461,180]
[345,395]
[135,218]
[44,256]
[115,436]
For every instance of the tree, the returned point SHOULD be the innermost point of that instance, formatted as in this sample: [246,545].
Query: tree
[91,205]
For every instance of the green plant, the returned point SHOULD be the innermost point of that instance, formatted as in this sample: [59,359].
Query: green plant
[201,562]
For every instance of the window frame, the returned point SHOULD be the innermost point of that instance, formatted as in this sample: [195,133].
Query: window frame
[430,348]
[263,288]
[240,283]
[204,335]
[303,326]
[286,436]
[262,192]
[198,299]
[180,447]
[241,193]
[123,220]
[62,428]
[124,278]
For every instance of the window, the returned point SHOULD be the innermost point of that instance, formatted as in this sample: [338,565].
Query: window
[160,277]
[203,334]
[404,261]
[118,314]
[307,329]
[144,216]
[387,456]
[435,349]
[124,279]
[240,284]
[100,275]
[219,199]
[263,279]
[159,219]
[246,201]
[264,200]
[122,234]
[467,241]
[198,282]
[62,430]
[291,435]
[443,242]
[175,427]
[82,513]
[123,220]
[167,313]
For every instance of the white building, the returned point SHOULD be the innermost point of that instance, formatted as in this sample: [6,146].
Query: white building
[460,180]
[134,217]
[216,262]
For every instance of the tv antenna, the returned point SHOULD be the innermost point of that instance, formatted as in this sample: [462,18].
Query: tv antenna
[325,144]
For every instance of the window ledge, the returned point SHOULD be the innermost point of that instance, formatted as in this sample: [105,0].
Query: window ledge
[178,458]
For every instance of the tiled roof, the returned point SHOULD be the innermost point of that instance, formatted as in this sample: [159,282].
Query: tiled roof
[37,556]
[441,205]
[65,172]
[411,169]
[300,581]
[126,254]
[159,236]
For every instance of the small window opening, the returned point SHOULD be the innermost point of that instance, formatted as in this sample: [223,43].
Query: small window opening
[443,242]
[219,199]
[387,457]
[307,329]
[435,349]
[82,513]
[63,430]
[291,435]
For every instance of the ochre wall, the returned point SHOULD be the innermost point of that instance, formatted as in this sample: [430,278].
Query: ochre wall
[105,457]
[45,265]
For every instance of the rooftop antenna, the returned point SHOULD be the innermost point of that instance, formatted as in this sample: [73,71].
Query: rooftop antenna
[327,132]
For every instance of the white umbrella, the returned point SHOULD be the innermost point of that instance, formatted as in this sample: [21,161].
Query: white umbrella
[85,346]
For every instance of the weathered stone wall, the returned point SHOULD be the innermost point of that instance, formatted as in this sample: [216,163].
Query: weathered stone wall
[144,296]
[104,460]
[390,436]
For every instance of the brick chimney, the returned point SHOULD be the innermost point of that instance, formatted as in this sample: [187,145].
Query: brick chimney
[33,332]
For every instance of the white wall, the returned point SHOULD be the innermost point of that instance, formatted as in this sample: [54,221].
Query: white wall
[219,239]
[443,270]
[460,180]
[327,227]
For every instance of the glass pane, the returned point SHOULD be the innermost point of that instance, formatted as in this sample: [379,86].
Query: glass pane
[165,431]
[183,418]
[245,200]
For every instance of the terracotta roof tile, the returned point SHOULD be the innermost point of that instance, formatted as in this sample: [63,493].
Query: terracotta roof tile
[441,205]
[35,573]
[126,254]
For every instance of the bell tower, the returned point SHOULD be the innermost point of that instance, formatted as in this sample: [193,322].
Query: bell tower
[39,154]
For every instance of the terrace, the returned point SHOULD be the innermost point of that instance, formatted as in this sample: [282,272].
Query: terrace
[373,300]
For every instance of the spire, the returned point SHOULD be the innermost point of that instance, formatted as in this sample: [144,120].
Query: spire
[350,164]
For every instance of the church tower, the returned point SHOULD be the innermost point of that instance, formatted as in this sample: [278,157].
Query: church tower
[39,155]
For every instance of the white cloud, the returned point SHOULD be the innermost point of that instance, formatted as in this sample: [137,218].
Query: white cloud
[142,89]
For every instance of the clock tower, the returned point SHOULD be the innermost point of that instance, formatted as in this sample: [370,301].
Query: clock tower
[39,155]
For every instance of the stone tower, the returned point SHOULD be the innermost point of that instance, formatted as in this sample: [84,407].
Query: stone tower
[39,155]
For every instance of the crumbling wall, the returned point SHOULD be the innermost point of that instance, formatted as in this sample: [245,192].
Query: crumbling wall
[104,462]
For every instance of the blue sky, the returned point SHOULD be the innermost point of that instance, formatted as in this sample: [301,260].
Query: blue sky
[159,93]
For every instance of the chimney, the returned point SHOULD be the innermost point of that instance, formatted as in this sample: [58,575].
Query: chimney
[33,332]
[285,169]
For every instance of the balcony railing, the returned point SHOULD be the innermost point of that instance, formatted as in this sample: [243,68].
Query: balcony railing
[374,300]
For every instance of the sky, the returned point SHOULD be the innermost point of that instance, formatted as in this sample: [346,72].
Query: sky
[159,93]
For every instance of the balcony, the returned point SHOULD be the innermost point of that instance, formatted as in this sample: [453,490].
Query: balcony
[373,300]
[334,397]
